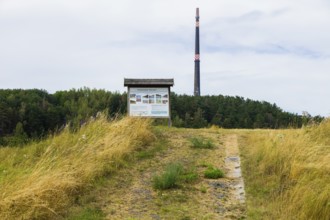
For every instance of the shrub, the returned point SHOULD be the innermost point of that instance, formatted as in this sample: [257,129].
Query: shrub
[213,173]
[169,178]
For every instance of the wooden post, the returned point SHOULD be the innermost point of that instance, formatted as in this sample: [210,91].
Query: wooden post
[169,108]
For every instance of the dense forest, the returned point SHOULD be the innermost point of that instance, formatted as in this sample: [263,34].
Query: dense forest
[26,114]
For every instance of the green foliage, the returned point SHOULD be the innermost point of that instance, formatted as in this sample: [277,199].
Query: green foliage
[232,112]
[169,178]
[203,189]
[160,122]
[40,113]
[178,122]
[174,175]
[213,173]
[88,214]
[144,154]
[198,120]
[189,176]
[201,143]
[152,151]
[35,113]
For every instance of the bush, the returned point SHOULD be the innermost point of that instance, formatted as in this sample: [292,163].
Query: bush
[169,179]
[213,173]
[202,143]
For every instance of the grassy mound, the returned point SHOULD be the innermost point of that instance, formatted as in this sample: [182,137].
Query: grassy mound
[41,180]
[287,173]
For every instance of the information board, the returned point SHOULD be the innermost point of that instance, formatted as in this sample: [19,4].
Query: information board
[149,102]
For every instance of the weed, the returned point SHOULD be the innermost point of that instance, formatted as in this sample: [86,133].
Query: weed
[173,175]
[204,164]
[144,155]
[88,214]
[189,176]
[201,143]
[169,178]
[152,151]
[213,173]
[203,189]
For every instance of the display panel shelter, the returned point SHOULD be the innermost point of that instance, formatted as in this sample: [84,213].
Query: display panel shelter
[149,97]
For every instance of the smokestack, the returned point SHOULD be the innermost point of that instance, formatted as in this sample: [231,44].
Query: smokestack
[197,90]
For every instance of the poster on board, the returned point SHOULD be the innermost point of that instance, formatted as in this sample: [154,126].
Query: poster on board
[149,102]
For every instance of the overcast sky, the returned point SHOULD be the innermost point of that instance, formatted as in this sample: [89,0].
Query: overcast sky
[275,51]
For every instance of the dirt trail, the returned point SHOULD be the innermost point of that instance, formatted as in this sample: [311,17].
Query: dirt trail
[233,165]
[130,195]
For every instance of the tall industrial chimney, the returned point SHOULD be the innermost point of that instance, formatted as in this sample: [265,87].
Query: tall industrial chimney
[197,89]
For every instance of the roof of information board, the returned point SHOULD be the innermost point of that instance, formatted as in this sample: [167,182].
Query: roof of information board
[148,82]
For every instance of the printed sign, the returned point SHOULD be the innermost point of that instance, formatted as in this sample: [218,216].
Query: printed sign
[149,102]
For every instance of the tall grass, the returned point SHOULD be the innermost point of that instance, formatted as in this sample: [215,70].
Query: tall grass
[287,173]
[169,178]
[41,180]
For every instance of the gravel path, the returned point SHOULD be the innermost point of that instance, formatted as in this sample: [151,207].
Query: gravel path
[233,166]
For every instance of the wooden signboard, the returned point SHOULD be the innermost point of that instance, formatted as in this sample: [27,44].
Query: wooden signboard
[149,97]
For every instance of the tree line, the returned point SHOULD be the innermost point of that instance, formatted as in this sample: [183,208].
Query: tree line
[232,112]
[31,114]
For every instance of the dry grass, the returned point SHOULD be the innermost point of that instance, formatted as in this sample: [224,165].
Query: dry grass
[287,173]
[41,180]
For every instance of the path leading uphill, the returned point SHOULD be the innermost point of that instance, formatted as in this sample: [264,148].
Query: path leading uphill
[129,194]
[233,165]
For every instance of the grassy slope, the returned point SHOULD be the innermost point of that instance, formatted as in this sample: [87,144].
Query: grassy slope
[287,173]
[77,176]
[41,180]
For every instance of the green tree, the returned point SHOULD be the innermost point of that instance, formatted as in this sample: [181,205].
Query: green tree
[198,119]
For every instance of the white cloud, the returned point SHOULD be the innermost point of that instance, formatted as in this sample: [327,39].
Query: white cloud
[276,51]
